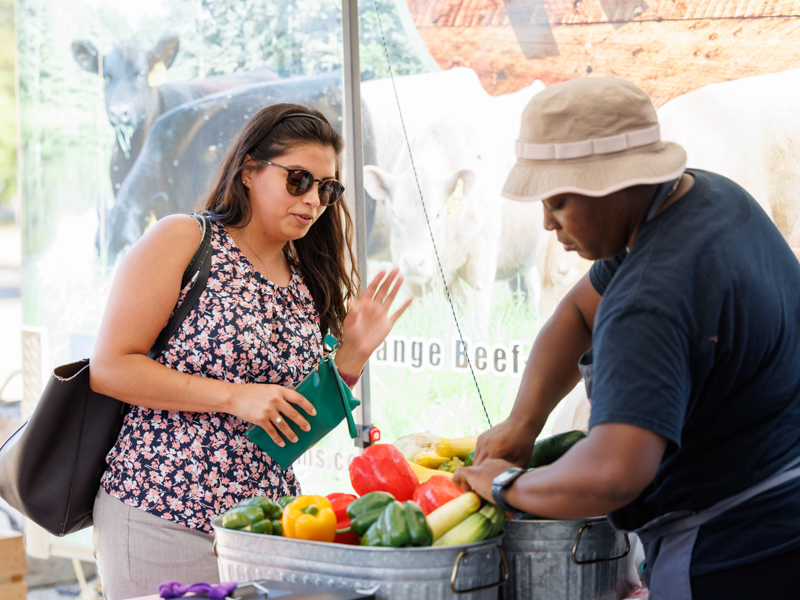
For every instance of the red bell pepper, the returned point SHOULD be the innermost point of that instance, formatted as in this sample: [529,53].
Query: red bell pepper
[382,467]
[438,490]
[340,502]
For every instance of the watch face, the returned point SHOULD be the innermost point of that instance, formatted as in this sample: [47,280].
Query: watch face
[506,476]
[499,484]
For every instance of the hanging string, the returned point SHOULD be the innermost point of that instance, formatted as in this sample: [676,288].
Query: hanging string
[425,211]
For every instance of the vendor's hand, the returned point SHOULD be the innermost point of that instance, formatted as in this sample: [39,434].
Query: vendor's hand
[479,478]
[270,406]
[368,322]
[509,440]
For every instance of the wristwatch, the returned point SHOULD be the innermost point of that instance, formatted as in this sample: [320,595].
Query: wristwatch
[501,483]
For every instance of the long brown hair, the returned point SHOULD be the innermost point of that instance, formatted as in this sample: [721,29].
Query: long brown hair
[323,253]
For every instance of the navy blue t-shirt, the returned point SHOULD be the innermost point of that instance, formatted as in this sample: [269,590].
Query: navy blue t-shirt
[697,338]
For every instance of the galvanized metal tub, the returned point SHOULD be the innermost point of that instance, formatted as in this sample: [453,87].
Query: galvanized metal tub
[469,571]
[564,560]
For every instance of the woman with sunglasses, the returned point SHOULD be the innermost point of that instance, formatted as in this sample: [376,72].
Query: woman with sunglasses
[282,276]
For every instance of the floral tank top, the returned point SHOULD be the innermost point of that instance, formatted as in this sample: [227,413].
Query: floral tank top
[188,467]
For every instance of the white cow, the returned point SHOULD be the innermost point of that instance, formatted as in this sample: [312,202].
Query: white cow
[462,152]
[424,100]
[479,236]
[749,131]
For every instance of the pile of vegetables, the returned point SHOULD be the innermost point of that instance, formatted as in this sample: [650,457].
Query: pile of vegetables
[396,506]
[429,454]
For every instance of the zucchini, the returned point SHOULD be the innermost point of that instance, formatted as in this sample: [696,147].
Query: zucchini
[548,450]
[451,447]
[474,528]
[495,515]
[486,523]
[451,513]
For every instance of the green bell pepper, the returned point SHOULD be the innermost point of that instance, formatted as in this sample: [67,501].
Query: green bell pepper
[271,508]
[284,500]
[364,511]
[264,526]
[239,517]
[399,525]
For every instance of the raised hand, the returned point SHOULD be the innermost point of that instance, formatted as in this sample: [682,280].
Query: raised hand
[369,321]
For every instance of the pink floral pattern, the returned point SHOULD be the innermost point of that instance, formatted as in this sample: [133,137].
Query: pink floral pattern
[188,467]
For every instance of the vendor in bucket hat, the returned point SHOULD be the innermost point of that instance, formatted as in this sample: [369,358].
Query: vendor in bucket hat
[690,360]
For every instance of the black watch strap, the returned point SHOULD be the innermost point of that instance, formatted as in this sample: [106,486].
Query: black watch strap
[500,485]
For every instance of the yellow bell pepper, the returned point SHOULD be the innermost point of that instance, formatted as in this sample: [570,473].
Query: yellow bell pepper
[309,517]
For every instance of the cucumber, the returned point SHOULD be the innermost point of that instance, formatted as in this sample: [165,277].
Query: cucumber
[548,450]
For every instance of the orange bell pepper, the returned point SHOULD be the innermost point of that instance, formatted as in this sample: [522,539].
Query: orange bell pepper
[309,517]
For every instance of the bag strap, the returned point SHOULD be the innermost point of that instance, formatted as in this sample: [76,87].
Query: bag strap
[344,391]
[200,264]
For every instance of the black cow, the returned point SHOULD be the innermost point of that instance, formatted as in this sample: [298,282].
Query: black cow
[186,145]
[133,104]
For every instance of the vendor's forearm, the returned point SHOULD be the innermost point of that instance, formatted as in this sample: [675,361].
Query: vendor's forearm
[544,492]
[548,375]
[141,381]
[605,472]
[552,368]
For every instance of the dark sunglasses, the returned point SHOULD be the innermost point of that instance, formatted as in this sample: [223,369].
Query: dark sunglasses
[299,181]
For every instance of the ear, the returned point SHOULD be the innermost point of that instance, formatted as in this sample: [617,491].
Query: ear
[85,55]
[467,176]
[165,51]
[460,187]
[378,183]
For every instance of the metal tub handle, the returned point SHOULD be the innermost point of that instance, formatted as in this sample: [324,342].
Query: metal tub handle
[454,575]
[596,560]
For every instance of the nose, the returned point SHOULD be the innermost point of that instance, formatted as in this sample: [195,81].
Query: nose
[311,197]
[549,222]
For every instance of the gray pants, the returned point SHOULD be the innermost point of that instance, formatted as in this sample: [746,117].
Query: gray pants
[135,551]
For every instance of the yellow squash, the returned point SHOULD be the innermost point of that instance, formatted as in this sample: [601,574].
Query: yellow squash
[451,447]
[424,473]
[430,459]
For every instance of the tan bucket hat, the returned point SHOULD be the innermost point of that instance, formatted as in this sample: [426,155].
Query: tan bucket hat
[590,136]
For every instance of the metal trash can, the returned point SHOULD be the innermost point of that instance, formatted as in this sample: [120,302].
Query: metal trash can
[469,571]
[564,560]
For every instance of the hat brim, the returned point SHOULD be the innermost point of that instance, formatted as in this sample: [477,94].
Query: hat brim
[598,175]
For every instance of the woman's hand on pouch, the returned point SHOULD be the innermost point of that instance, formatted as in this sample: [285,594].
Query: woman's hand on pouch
[511,440]
[478,478]
[368,322]
[270,407]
